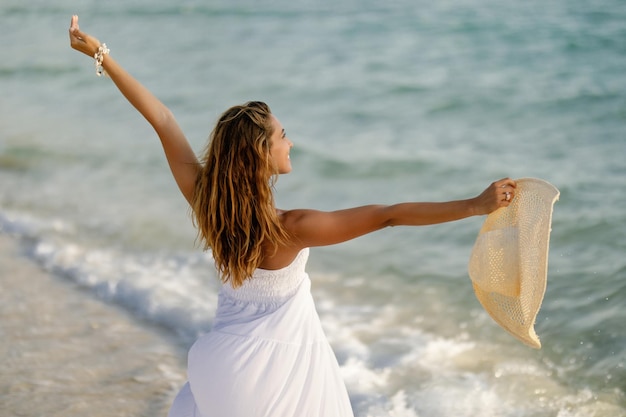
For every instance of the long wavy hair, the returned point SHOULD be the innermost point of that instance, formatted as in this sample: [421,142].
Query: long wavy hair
[233,204]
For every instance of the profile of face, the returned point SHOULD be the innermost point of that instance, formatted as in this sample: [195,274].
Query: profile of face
[280,147]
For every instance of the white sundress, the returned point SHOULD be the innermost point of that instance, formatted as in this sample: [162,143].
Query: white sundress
[266,355]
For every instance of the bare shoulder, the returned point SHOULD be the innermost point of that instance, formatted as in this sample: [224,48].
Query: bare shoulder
[297,221]
[291,217]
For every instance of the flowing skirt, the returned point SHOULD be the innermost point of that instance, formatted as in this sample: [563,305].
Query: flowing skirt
[263,360]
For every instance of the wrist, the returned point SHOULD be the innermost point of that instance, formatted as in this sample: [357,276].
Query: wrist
[98,57]
[473,207]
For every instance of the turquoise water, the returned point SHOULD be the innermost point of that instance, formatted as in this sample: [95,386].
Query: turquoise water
[385,102]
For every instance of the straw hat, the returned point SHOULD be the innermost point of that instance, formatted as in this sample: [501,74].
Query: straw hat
[509,262]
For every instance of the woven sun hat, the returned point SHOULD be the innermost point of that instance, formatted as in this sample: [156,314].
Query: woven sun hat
[509,262]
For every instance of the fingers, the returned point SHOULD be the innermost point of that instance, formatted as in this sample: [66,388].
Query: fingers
[74,29]
[74,23]
[505,182]
[75,34]
[505,191]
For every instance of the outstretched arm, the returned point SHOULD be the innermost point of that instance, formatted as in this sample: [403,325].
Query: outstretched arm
[180,156]
[317,228]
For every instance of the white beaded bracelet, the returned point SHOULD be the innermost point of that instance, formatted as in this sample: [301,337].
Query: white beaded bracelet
[99,57]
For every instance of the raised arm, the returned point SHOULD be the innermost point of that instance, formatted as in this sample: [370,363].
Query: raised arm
[318,228]
[180,156]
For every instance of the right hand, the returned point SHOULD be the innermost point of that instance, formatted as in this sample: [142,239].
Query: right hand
[81,41]
[498,194]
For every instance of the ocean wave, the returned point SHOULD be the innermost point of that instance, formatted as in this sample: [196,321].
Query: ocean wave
[177,291]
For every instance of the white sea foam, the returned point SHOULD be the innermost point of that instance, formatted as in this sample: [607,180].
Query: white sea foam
[177,291]
[165,289]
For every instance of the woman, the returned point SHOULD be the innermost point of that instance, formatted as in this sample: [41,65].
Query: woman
[266,354]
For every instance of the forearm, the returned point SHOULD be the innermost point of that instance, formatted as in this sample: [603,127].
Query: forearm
[150,107]
[421,214]
[499,194]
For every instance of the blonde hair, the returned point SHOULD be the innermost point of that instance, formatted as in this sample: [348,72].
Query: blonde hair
[233,204]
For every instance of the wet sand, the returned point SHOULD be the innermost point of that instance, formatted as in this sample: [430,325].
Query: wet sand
[65,353]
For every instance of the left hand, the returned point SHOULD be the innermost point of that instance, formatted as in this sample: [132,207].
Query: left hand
[498,194]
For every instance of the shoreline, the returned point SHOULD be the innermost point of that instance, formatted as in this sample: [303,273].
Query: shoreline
[65,353]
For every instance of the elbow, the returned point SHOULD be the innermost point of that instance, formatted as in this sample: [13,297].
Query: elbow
[163,119]
[388,217]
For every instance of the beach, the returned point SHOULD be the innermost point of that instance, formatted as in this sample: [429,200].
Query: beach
[104,288]
[64,353]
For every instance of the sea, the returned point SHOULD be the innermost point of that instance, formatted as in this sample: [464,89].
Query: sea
[386,101]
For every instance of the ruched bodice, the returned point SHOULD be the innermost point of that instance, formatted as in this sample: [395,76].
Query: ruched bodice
[271,286]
